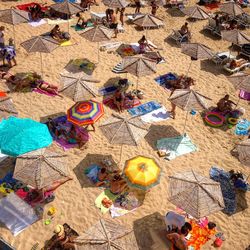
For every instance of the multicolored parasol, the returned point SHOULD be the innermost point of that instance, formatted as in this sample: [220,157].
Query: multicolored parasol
[142,172]
[85,113]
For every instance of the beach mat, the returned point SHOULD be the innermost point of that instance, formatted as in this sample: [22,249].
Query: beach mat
[78,28]
[26,6]
[58,21]
[176,146]
[118,69]
[37,23]
[157,115]
[107,90]
[80,65]
[105,194]
[144,108]
[162,80]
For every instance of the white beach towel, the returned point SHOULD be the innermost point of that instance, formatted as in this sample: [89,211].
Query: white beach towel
[37,23]
[117,211]
[58,21]
[16,214]
[157,115]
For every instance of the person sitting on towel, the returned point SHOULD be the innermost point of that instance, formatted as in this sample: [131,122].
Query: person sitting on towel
[117,184]
[81,21]
[143,45]
[58,35]
[178,240]
[119,98]
[225,105]
[35,11]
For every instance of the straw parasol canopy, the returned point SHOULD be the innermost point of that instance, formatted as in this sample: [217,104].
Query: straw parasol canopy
[243,149]
[41,44]
[138,65]
[78,86]
[142,172]
[197,195]
[123,130]
[14,16]
[97,33]
[148,21]
[235,36]
[40,168]
[116,3]
[197,51]
[7,108]
[67,8]
[188,99]
[107,234]
[240,81]
[231,8]
[196,12]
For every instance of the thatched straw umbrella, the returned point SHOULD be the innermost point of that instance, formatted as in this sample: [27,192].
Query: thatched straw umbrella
[7,108]
[40,168]
[240,81]
[187,100]
[67,8]
[235,36]
[195,12]
[98,34]
[116,3]
[107,234]
[197,195]
[13,17]
[196,51]
[41,44]
[123,130]
[231,8]
[78,86]
[138,65]
[243,149]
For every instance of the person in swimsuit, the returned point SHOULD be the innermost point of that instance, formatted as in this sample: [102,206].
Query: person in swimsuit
[119,99]
[122,10]
[137,6]
[172,112]
[81,20]
[154,7]
[178,240]
[117,184]
[114,22]
[101,177]
[143,45]
[225,105]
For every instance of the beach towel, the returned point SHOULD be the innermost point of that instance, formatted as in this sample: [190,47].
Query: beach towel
[107,90]
[78,28]
[81,65]
[109,102]
[58,21]
[163,80]
[105,194]
[16,214]
[118,69]
[242,127]
[37,23]
[244,95]
[40,91]
[144,108]
[227,189]
[118,211]
[176,146]
[3,94]
[66,43]
[157,115]
[26,6]
[92,173]
[174,220]
[212,6]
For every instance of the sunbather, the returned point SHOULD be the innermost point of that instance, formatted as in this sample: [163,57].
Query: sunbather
[238,180]
[237,63]
[119,97]
[225,105]
[143,45]
[122,10]
[72,137]
[178,240]
[81,22]
[154,7]
[117,184]
[58,35]
[101,177]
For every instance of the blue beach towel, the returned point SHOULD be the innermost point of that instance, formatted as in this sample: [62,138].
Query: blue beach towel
[242,127]
[227,189]
[162,80]
[107,90]
[144,108]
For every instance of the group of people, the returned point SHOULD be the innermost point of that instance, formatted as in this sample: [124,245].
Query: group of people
[224,22]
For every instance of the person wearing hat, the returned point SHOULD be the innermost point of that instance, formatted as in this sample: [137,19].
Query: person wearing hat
[61,239]
[2,37]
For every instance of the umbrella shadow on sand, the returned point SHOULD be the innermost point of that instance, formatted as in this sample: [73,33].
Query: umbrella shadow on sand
[241,201]
[209,66]
[44,119]
[208,34]
[157,132]
[175,12]
[92,159]
[150,232]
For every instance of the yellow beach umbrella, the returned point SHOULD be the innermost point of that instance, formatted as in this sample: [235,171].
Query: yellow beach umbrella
[142,172]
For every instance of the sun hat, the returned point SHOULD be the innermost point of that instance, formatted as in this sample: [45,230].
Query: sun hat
[59,230]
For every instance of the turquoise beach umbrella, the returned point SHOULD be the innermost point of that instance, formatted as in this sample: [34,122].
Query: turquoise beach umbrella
[19,136]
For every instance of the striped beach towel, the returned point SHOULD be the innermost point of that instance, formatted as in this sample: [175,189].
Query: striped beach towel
[118,69]
[144,108]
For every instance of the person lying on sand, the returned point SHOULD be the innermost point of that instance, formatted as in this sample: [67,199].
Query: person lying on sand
[182,82]
[178,239]
[225,105]
[117,184]
[237,63]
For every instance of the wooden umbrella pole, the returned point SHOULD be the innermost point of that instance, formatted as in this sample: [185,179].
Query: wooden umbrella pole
[121,154]
[185,123]
[189,67]
[41,60]
[14,35]
[98,52]
[137,83]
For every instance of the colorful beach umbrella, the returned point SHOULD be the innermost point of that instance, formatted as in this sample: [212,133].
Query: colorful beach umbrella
[20,136]
[85,113]
[142,172]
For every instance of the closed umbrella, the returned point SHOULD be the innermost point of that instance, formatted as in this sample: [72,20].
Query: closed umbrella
[196,51]
[14,17]
[197,195]
[116,3]
[40,168]
[138,65]
[97,34]
[243,149]
[106,234]
[41,44]
[19,136]
[85,113]
[231,8]
[195,12]
[142,172]
[7,108]
[240,81]
[78,86]
[188,100]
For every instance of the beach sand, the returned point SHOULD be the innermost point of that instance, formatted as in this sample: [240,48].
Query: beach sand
[75,200]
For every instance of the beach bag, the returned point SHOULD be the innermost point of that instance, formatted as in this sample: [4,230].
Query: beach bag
[218,242]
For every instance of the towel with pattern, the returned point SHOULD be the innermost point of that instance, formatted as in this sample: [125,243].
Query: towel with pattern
[144,108]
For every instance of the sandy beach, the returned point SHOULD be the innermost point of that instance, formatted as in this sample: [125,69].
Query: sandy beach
[75,199]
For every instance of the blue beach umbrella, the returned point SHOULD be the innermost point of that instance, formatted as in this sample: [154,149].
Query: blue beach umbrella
[19,136]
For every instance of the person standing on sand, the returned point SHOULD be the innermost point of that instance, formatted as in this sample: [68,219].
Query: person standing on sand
[154,7]
[114,22]
[137,6]
[122,10]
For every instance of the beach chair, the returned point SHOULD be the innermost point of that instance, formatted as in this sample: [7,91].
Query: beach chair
[222,57]
[243,20]
[5,246]
[212,27]
[178,37]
